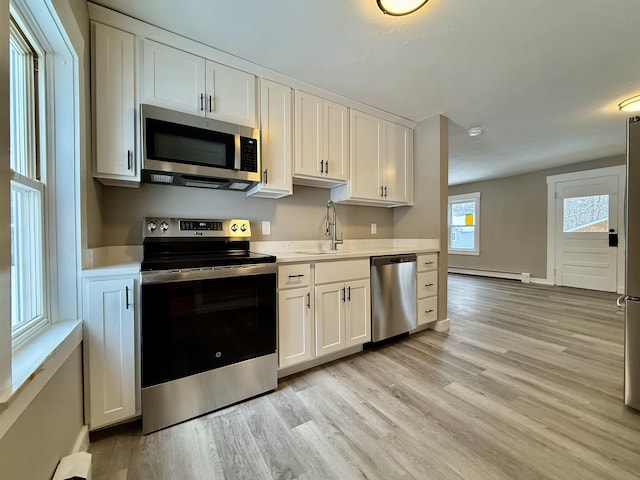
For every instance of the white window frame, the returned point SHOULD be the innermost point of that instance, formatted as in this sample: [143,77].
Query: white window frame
[464,198]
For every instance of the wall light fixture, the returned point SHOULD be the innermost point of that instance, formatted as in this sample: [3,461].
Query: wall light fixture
[400,7]
[630,104]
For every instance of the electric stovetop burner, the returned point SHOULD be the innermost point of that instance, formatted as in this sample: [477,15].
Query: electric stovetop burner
[179,243]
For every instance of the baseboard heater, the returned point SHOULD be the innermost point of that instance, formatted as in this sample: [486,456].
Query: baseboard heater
[523,277]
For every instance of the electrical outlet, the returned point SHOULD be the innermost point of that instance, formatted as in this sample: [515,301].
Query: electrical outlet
[266,227]
[374,228]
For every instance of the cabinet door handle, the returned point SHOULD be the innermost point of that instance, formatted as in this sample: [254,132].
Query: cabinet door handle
[349,293]
[266,176]
[385,191]
[326,167]
[381,191]
[429,284]
[344,299]
[308,300]
[129,157]
[202,102]
[210,103]
[126,297]
[429,311]
[296,276]
[321,166]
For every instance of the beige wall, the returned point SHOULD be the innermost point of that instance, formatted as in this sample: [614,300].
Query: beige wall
[298,217]
[513,220]
[427,218]
[47,430]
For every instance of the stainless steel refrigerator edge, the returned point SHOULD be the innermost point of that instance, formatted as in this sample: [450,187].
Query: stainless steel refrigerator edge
[632,283]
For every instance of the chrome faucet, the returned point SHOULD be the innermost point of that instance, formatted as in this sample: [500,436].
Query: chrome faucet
[330,226]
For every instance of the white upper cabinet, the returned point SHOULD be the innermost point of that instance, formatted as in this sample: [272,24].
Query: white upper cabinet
[188,83]
[114,124]
[397,170]
[321,141]
[381,163]
[230,94]
[276,130]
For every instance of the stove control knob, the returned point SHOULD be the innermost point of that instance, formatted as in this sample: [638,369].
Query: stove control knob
[164,226]
[151,226]
[243,227]
[234,227]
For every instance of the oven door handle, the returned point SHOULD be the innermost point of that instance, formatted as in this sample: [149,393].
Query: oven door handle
[187,275]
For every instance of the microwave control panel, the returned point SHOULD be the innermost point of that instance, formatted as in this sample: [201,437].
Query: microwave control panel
[248,154]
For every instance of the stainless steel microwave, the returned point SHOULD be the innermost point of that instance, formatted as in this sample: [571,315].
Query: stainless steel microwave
[188,150]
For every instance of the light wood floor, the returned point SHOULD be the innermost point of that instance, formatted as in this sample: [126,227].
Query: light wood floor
[526,385]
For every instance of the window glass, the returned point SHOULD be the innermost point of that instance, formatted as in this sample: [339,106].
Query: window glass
[27,191]
[586,214]
[463,223]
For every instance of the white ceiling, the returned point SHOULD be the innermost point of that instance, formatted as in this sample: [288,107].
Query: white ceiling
[542,78]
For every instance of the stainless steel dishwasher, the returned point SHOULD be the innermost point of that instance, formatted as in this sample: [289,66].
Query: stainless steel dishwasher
[393,295]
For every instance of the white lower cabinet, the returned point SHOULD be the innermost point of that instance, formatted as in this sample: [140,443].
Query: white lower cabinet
[110,348]
[427,288]
[323,308]
[295,315]
[295,326]
[343,308]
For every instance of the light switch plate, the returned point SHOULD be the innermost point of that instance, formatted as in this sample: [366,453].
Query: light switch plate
[374,228]
[266,227]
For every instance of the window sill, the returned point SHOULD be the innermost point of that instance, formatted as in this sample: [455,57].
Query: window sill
[464,252]
[33,365]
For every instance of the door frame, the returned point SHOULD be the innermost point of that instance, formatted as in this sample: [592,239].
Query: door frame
[552,183]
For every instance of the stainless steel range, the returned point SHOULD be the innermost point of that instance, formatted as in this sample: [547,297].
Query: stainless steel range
[208,319]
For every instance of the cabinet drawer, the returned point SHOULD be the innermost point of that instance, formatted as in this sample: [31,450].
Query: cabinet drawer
[290,276]
[329,272]
[428,261]
[427,310]
[427,284]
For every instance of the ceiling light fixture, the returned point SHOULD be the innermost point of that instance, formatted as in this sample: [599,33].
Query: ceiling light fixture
[630,104]
[475,131]
[400,7]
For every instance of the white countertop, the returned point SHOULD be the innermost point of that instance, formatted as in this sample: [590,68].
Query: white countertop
[320,250]
[126,259]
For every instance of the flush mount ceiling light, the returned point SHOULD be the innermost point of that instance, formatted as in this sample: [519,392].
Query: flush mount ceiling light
[630,104]
[400,7]
[475,131]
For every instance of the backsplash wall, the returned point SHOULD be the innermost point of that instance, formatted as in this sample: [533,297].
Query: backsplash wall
[297,217]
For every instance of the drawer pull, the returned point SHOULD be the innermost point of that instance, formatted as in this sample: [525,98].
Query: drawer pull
[296,276]
[429,311]
[429,284]
[126,297]
[429,263]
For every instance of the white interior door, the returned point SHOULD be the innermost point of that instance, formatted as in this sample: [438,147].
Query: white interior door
[586,212]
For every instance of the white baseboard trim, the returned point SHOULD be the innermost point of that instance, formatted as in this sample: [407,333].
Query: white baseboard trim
[82,442]
[441,325]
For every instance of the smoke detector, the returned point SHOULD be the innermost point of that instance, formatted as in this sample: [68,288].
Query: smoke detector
[475,131]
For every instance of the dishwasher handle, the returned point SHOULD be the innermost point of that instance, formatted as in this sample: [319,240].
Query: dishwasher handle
[391,259]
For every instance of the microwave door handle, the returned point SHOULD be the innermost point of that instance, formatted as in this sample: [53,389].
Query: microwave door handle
[236,159]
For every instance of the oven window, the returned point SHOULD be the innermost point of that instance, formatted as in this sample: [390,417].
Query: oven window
[171,142]
[191,327]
